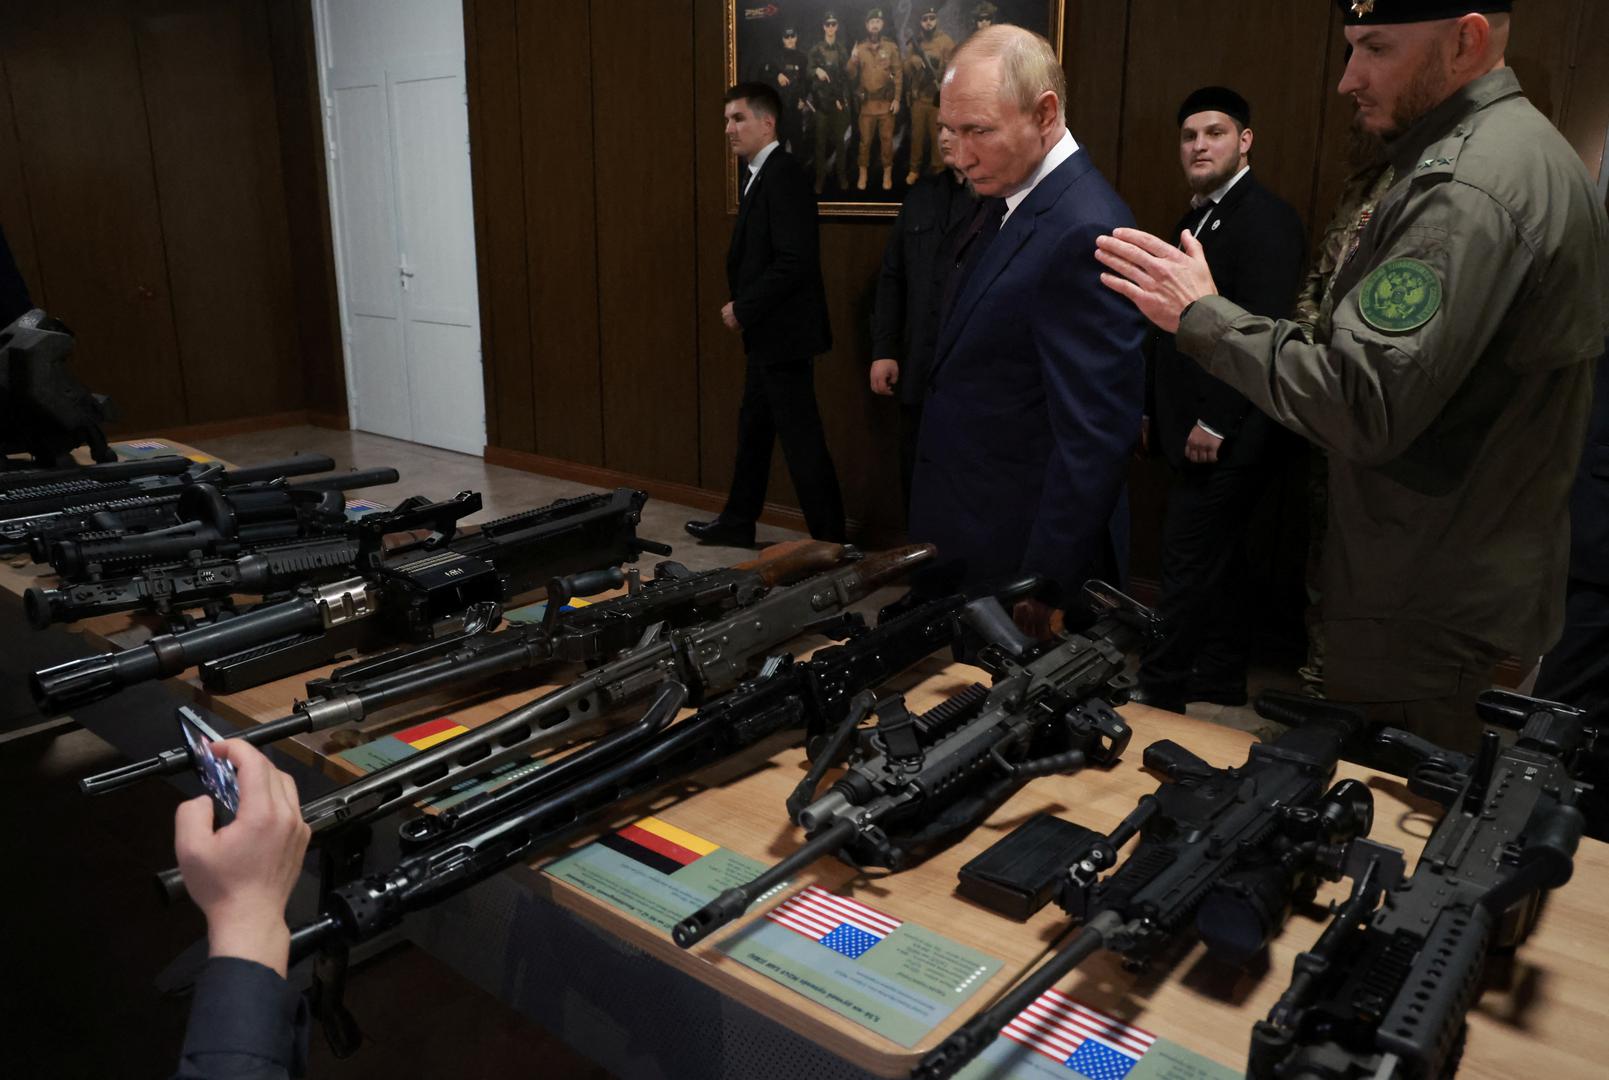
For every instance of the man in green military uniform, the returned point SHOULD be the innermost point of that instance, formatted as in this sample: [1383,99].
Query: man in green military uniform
[924,71]
[1449,372]
[874,69]
[827,67]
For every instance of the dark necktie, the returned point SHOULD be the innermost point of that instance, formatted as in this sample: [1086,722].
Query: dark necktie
[980,233]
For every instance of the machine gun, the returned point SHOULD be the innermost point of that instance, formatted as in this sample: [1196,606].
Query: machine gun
[418,592]
[705,659]
[102,472]
[917,782]
[452,850]
[62,496]
[1385,991]
[675,597]
[1230,849]
[251,510]
[215,521]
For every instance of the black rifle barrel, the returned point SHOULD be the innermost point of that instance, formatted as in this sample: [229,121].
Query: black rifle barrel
[166,465]
[79,682]
[733,902]
[969,1040]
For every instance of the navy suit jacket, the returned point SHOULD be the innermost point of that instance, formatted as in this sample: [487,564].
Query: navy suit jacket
[1035,397]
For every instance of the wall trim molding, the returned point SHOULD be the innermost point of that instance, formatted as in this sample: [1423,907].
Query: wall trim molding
[333,421]
[785,517]
[217,429]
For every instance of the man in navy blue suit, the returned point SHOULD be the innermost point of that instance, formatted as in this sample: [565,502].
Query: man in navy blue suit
[1037,386]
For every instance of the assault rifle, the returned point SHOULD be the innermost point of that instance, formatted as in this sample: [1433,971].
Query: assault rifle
[61,496]
[675,597]
[248,508]
[1385,991]
[918,782]
[1229,849]
[163,465]
[417,592]
[469,842]
[216,521]
[330,548]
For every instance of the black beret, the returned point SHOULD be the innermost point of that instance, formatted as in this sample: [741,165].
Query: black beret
[1217,99]
[1382,12]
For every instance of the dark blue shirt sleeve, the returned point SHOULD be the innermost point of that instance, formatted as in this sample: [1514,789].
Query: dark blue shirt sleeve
[246,1023]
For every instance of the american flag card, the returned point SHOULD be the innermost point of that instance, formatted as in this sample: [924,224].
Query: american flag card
[1086,1040]
[843,925]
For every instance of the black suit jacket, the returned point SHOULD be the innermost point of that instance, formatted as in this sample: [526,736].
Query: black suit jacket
[773,267]
[1589,502]
[14,301]
[1256,247]
[905,318]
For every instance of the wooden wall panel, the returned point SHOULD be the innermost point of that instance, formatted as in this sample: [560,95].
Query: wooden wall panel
[15,216]
[645,240]
[215,146]
[495,148]
[81,122]
[560,129]
[1540,48]
[1174,48]
[1094,43]
[314,312]
[1586,107]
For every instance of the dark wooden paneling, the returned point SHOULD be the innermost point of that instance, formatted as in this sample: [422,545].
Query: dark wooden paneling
[1094,42]
[315,314]
[645,240]
[562,207]
[496,137]
[15,217]
[81,123]
[1586,108]
[720,353]
[214,139]
[1175,48]
[1541,47]
[477,180]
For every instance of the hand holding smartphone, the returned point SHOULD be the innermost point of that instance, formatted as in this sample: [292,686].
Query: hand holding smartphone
[217,775]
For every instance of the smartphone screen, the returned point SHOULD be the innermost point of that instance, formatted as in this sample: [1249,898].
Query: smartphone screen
[217,775]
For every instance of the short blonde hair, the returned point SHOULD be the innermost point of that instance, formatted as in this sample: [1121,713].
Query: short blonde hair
[1028,65]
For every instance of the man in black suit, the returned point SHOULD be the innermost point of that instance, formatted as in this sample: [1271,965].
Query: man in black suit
[779,305]
[1576,670]
[905,315]
[1221,450]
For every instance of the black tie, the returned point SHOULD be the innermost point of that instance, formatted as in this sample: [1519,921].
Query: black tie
[985,226]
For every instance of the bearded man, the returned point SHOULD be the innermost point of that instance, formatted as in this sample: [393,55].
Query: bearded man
[1448,375]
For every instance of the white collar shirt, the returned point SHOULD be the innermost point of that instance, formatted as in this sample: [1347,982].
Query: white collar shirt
[1065,148]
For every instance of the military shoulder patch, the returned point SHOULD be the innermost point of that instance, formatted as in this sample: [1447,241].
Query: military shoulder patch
[1400,296]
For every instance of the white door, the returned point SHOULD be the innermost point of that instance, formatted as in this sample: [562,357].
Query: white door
[403,216]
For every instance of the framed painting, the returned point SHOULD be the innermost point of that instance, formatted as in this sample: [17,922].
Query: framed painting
[859,85]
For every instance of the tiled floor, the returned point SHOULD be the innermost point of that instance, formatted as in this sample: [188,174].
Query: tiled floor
[86,935]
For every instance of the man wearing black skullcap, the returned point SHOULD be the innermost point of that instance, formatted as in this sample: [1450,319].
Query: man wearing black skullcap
[1449,373]
[1220,449]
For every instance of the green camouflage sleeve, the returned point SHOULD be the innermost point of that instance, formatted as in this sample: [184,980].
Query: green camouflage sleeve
[1443,276]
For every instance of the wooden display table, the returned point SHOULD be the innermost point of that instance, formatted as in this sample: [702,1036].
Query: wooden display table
[1540,1022]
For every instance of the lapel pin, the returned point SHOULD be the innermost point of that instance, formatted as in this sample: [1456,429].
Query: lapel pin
[1217,223]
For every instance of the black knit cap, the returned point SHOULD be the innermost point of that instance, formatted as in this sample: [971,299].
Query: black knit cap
[1383,12]
[1217,99]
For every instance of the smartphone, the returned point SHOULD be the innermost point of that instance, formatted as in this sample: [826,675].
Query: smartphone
[217,775]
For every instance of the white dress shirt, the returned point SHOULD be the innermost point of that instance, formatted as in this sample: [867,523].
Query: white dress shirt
[759,162]
[1065,148]
[1213,198]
